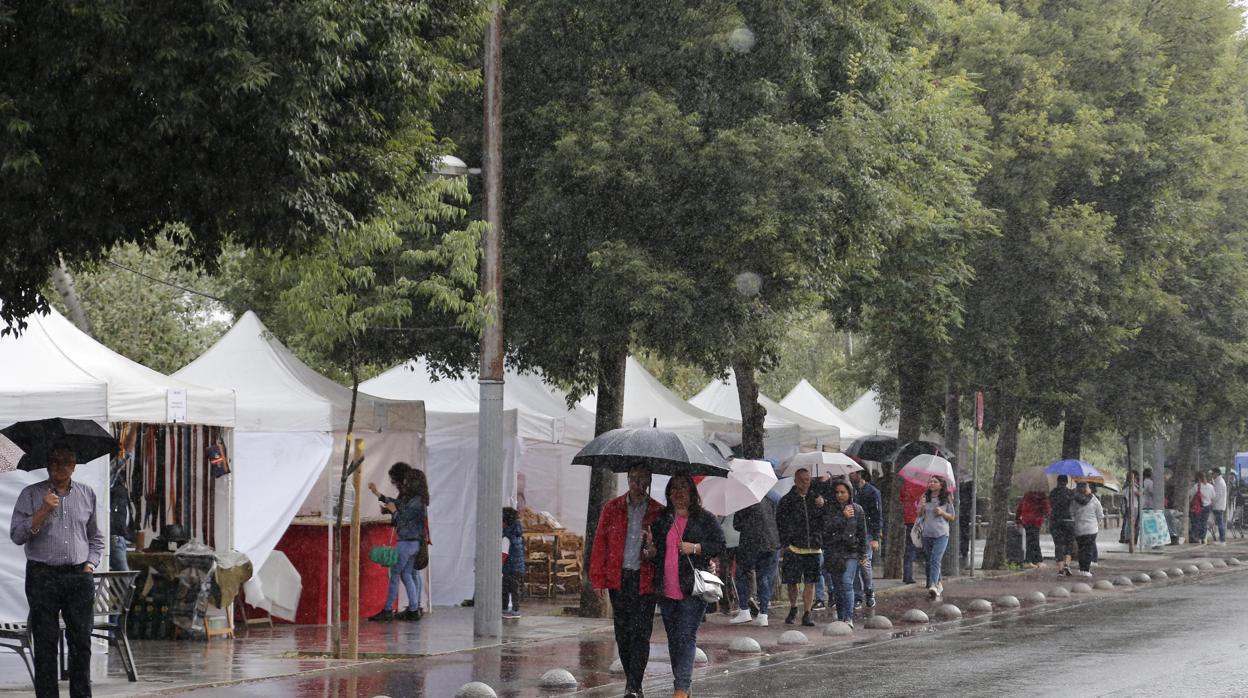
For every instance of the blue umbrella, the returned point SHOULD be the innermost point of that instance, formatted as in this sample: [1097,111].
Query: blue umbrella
[1074,469]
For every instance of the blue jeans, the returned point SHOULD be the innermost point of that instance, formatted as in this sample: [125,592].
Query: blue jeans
[764,564]
[405,570]
[823,582]
[907,563]
[680,621]
[1219,520]
[864,583]
[843,585]
[934,548]
[117,561]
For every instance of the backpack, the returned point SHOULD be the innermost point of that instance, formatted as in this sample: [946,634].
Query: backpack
[1196,506]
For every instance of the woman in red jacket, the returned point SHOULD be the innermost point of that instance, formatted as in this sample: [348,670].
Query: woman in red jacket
[909,496]
[1031,513]
[618,566]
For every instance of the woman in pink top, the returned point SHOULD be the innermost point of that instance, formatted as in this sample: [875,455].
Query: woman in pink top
[685,536]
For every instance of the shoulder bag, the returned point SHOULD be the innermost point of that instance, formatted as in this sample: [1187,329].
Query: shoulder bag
[706,586]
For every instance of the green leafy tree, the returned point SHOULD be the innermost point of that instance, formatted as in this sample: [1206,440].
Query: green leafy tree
[272,126]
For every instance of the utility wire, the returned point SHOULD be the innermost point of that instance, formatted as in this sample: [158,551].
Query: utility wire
[162,281]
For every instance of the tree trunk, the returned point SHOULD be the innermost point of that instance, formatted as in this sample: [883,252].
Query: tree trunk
[336,538]
[1072,433]
[912,377]
[752,413]
[1007,447]
[1184,470]
[612,360]
[63,282]
[951,564]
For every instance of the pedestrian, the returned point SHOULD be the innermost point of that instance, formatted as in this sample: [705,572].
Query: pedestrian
[1062,524]
[618,568]
[55,521]
[867,496]
[1032,509]
[1201,500]
[799,521]
[909,496]
[407,515]
[1147,497]
[1087,512]
[513,565]
[935,510]
[822,487]
[756,554]
[1219,504]
[844,548]
[1131,517]
[120,522]
[686,537]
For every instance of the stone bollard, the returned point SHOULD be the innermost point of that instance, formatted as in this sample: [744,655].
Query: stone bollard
[1205,565]
[558,678]
[1081,588]
[699,657]
[980,606]
[1059,593]
[948,612]
[1035,597]
[1158,575]
[745,645]
[1008,601]
[794,637]
[475,689]
[1123,581]
[837,629]
[617,667]
[878,623]
[1141,578]
[914,615]
[1218,563]
[1233,561]
[1191,569]
[1104,584]
[1175,572]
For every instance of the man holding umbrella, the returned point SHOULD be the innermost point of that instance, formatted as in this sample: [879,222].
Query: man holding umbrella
[55,520]
[618,566]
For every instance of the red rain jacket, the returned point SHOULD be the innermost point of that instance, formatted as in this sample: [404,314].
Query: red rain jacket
[608,554]
[1033,509]
[909,494]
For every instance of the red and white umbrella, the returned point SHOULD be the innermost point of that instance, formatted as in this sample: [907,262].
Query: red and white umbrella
[747,483]
[924,467]
[821,463]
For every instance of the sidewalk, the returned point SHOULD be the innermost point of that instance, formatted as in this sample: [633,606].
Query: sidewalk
[435,656]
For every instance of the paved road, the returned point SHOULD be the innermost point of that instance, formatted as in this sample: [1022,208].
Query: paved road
[1187,639]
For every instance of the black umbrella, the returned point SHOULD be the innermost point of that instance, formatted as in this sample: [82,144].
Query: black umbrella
[663,452]
[917,448]
[873,447]
[84,437]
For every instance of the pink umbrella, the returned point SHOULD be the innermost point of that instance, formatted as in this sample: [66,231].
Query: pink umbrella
[924,467]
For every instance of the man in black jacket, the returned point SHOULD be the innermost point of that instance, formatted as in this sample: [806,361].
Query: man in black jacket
[800,524]
[756,553]
[1062,524]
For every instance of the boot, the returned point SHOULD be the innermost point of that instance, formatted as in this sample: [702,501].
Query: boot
[383,616]
[792,617]
[806,621]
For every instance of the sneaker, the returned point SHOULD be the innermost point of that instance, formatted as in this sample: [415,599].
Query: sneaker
[410,614]
[806,621]
[754,609]
[1082,573]
[743,616]
[932,593]
[383,616]
[818,605]
[792,617]
[760,620]
[858,602]
[850,623]
[1029,565]
[1066,571]
[907,581]
[1095,563]
[940,588]
[870,599]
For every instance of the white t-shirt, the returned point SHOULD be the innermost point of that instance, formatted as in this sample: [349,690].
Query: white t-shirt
[1206,493]
[1219,493]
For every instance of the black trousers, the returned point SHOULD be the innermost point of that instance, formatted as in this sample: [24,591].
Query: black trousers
[633,613]
[60,592]
[1033,554]
[1087,551]
[511,590]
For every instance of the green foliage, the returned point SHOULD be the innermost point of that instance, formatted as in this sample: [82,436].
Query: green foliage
[271,125]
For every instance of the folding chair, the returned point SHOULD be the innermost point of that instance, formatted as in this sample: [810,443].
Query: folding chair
[16,636]
[113,593]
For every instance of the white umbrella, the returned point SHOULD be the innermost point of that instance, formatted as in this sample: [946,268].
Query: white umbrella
[821,463]
[747,483]
[924,466]
[10,454]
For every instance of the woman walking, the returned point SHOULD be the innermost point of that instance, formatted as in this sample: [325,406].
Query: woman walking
[686,536]
[935,511]
[1087,511]
[407,515]
[844,548]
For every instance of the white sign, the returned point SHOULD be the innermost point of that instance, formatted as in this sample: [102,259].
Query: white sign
[175,405]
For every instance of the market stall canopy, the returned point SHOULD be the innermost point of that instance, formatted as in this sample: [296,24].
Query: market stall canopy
[721,398]
[542,409]
[647,402]
[866,412]
[58,351]
[806,400]
[279,393]
[37,380]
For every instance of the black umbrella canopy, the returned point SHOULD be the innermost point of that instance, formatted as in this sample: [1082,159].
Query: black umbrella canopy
[873,447]
[663,452]
[37,438]
[917,448]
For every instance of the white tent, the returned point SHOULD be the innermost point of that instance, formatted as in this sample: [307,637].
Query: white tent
[290,418]
[805,399]
[786,431]
[647,402]
[451,418]
[549,433]
[54,370]
[866,411]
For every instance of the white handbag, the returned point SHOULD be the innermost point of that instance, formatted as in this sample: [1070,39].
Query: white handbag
[706,586]
[916,533]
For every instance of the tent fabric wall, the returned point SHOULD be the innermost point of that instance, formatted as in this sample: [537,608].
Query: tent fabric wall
[786,430]
[806,400]
[866,411]
[647,402]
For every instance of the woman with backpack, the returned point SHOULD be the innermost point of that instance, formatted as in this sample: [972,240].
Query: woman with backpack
[844,548]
